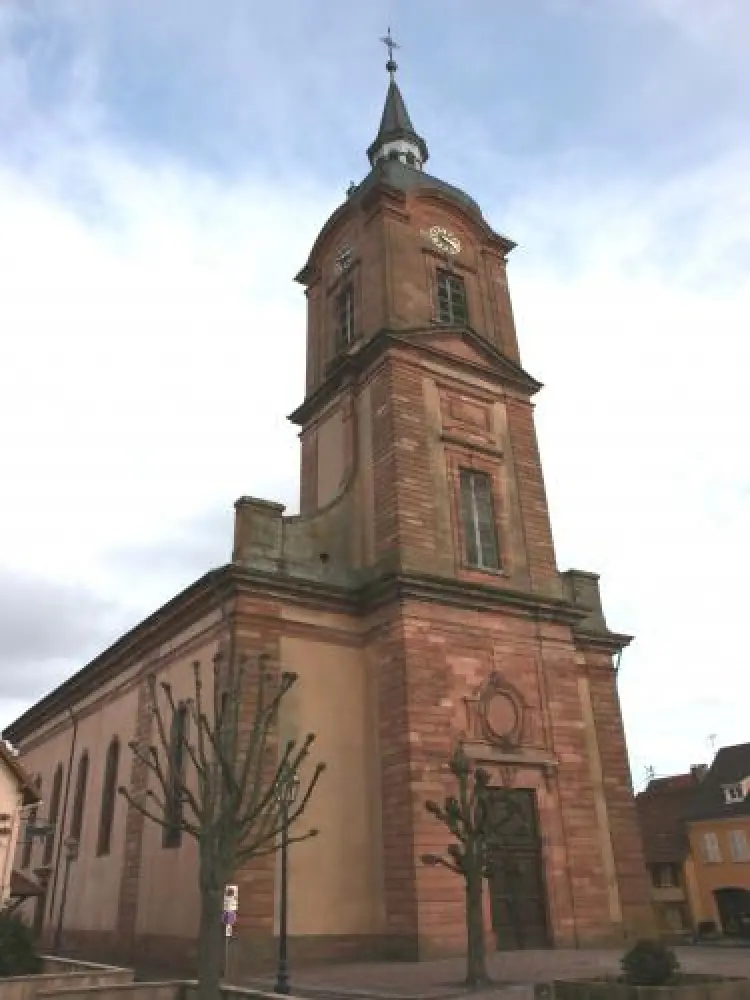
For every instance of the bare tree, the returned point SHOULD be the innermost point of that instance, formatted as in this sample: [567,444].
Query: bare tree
[220,780]
[466,818]
[478,829]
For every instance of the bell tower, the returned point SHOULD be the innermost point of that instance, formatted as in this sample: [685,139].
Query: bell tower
[423,513]
[414,377]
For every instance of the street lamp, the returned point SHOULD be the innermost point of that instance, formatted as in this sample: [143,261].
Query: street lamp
[287,795]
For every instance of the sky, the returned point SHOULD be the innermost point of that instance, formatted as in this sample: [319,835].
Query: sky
[164,170]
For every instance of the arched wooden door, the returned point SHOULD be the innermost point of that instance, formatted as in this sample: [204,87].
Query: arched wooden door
[517,886]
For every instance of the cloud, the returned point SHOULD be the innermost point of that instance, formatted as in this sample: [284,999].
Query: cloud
[632,305]
[44,625]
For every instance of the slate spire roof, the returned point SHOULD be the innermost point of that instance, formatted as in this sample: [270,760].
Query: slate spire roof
[395,123]
[730,766]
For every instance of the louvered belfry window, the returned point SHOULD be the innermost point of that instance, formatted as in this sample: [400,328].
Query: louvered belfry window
[451,293]
[478,515]
[345,317]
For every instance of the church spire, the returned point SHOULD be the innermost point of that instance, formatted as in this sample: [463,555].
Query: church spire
[396,138]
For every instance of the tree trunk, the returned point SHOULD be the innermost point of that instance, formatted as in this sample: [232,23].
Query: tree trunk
[210,943]
[476,959]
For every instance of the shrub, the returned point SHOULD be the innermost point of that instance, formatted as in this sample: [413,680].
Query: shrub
[18,955]
[649,963]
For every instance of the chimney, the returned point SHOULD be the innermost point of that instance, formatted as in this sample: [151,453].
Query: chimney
[699,772]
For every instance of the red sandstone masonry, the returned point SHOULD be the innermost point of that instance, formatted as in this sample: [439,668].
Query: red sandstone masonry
[257,631]
[127,907]
[532,496]
[625,832]
[308,471]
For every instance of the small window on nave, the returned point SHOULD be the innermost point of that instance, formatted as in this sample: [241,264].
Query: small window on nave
[54,814]
[172,835]
[109,794]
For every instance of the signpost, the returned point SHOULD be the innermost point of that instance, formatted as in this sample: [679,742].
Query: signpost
[228,918]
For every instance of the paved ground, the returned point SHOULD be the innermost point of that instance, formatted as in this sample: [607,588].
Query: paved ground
[514,972]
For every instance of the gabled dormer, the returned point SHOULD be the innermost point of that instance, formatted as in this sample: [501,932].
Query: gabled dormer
[736,791]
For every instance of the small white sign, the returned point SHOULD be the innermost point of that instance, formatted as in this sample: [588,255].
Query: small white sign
[231,898]
[228,930]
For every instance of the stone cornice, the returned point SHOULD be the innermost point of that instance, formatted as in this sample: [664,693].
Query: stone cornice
[604,642]
[471,596]
[351,365]
[234,581]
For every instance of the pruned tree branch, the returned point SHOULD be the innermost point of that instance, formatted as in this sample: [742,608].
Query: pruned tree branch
[226,768]
[194,831]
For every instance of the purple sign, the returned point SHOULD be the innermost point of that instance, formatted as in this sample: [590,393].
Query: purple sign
[229,916]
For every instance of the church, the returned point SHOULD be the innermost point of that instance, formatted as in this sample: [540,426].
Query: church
[418,598]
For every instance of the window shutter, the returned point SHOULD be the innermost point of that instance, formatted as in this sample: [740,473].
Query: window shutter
[488,555]
[467,514]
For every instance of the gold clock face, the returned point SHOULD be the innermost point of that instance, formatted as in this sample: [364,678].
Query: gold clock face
[344,259]
[445,240]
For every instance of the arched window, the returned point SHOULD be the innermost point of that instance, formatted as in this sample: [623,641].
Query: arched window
[411,159]
[79,802]
[109,791]
[173,812]
[28,844]
[54,812]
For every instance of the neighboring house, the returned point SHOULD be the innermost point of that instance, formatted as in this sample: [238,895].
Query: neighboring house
[16,793]
[719,832]
[662,808]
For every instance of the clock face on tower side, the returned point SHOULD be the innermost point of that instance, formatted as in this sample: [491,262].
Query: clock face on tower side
[445,240]
[344,259]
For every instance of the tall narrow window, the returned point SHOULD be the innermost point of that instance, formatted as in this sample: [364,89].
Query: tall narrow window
[54,812]
[478,515]
[109,791]
[172,836]
[345,318]
[451,293]
[79,802]
[739,845]
[28,843]
[711,848]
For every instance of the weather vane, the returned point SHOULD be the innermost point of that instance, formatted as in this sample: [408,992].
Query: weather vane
[387,40]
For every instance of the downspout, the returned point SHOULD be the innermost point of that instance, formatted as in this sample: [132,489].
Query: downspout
[63,814]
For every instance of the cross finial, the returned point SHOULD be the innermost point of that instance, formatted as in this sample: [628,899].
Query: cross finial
[387,40]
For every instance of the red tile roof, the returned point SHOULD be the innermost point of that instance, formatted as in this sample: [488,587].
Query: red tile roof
[662,808]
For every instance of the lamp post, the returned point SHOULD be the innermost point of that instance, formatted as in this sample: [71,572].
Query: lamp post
[287,795]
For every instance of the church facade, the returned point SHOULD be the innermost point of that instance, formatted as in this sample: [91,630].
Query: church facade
[418,598]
